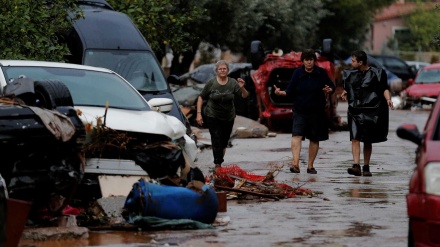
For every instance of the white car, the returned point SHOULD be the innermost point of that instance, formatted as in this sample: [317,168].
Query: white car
[91,89]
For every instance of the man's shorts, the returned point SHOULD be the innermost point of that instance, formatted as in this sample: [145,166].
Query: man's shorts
[313,126]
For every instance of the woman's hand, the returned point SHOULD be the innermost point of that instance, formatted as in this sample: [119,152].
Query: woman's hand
[278,91]
[199,118]
[241,82]
[327,89]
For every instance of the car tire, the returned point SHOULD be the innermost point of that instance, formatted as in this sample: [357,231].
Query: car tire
[52,93]
[257,54]
[410,235]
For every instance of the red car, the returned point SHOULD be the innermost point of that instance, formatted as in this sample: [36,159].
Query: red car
[424,89]
[270,70]
[423,199]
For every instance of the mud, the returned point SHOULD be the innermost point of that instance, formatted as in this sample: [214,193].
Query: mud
[344,211]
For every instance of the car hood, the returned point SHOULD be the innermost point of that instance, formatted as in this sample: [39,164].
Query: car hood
[419,90]
[135,121]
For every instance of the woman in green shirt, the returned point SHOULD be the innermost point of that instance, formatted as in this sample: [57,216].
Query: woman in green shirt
[219,92]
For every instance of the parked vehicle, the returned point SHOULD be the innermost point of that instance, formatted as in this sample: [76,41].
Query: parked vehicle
[398,67]
[417,64]
[109,39]
[423,198]
[276,111]
[424,89]
[107,100]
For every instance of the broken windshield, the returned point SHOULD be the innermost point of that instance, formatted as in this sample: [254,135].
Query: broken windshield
[140,68]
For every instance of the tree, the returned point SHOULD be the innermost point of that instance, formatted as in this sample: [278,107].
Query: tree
[164,22]
[286,24]
[348,23]
[424,25]
[29,28]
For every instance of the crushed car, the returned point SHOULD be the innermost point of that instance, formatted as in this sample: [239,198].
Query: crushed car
[125,136]
[42,156]
[271,69]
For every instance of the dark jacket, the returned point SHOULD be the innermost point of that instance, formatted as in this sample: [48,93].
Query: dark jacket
[306,89]
[367,107]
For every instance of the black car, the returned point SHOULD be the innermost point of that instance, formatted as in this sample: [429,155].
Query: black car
[398,66]
[109,39]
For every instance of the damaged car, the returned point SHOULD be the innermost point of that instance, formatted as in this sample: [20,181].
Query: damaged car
[125,134]
[424,89]
[42,155]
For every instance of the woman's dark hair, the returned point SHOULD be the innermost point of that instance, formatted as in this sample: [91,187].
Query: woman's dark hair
[308,54]
[360,56]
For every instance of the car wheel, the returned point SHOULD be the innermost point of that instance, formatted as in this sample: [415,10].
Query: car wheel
[410,235]
[51,94]
[257,54]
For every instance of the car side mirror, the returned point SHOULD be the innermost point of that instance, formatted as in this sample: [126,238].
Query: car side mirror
[410,132]
[163,105]
[410,81]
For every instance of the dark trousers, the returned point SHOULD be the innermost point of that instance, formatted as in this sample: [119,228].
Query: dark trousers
[220,131]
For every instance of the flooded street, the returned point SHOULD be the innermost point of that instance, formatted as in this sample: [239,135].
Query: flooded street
[346,211]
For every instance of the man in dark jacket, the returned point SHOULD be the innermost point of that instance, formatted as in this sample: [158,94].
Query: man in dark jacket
[368,96]
[308,87]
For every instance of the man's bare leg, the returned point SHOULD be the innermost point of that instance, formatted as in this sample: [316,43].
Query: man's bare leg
[356,151]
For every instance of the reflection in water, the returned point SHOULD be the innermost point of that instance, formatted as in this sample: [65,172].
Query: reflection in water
[101,238]
[365,193]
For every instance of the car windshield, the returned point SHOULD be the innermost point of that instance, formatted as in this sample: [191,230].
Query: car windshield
[428,76]
[88,88]
[140,68]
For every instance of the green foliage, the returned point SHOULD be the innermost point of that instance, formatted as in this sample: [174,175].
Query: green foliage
[349,22]
[29,28]
[424,25]
[287,24]
[163,22]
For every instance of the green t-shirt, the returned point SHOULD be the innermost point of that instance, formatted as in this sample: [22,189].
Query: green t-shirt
[220,98]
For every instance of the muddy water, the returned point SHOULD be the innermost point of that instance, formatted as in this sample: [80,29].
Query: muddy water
[345,210]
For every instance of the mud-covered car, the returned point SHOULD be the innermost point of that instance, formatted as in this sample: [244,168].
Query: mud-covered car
[276,111]
[423,198]
[41,144]
[424,89]
[126,135]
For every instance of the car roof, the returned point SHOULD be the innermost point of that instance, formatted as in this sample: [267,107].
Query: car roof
[108,29]
[51,64]
[432,66]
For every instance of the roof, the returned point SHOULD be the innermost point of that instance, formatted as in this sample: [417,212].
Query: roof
[397,10]
[432,66]
[394,11]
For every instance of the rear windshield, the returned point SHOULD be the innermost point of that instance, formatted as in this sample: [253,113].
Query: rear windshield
[140,68]
[428,76]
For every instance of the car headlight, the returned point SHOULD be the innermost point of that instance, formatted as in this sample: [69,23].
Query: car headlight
[432,178]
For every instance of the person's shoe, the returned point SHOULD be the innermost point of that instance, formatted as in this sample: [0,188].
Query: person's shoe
[355,170]
[294,169]
[311,170]
[366,171]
